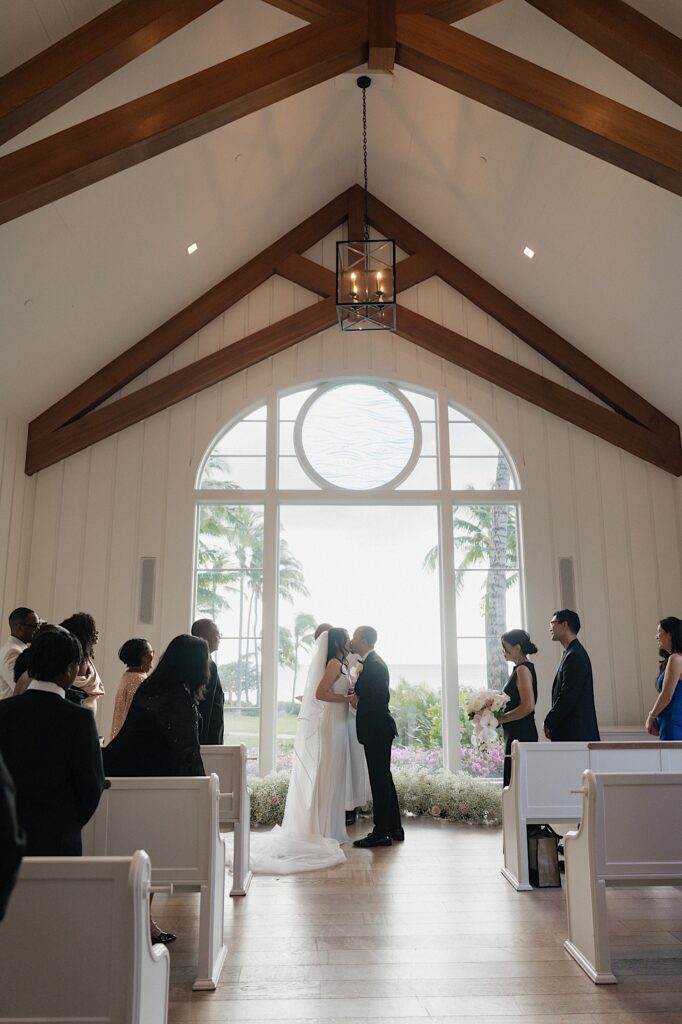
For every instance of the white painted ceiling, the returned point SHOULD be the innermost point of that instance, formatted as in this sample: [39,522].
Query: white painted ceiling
[87,276]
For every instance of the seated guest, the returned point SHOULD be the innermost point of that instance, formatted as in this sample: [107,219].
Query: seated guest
[212,725]
[83,627]
[51,749]
[160,734]
[518,721]
[23,622]
[12,838]
[136,655]
[665,718]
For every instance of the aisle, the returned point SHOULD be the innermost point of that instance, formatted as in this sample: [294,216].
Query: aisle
[426,930]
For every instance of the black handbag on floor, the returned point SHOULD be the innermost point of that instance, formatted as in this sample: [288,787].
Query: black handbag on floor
[543,857]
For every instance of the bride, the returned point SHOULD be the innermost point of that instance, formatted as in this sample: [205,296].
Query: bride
[314,816]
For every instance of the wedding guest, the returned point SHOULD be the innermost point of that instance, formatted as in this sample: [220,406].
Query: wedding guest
[518,721]
[83,627]
[23,622]
[160,734]
[212,709]
[22,679]
[665,718]
[12,838]
[52,750]
[573,715]
[137,656]
[376,731]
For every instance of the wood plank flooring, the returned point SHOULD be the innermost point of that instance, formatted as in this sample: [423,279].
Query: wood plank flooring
[424,930]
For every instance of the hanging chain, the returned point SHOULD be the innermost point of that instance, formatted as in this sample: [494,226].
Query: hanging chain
[364,155]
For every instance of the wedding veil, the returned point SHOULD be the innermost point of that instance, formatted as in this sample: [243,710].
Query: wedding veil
[298,844]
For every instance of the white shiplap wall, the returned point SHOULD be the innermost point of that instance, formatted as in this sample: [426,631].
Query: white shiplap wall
[99,512]
[16,516]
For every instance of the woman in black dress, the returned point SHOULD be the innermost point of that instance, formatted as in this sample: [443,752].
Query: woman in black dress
[518,721]
[160,734]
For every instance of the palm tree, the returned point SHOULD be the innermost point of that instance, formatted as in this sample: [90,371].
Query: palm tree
[485,536]
[304,636]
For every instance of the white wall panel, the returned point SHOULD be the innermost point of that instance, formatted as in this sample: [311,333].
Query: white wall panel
[99,512]
[16,517]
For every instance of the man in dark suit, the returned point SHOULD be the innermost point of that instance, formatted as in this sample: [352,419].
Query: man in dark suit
[51,749]
[12,839]
[376,731]
[573,715]
[211,708]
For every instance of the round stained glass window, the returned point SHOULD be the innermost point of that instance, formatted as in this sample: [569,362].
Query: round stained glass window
[357,436]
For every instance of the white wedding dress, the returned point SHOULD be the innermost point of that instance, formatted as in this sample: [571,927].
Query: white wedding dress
[314,817]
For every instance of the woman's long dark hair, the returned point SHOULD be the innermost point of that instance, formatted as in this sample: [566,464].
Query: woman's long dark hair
[82,626]
[183,663]
[520,637]
[671,624]
[336,644]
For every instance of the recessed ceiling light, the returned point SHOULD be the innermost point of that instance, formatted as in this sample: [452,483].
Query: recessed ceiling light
[192,248]
[526,252]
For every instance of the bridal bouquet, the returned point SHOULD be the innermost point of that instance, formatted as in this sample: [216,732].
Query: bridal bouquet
[485,708]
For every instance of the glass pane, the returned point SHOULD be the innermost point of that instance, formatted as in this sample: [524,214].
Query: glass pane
[485,536]
[457,416]
[235,599]
[230,537]
[474,675]
[424,477]
[424,405]
[292,476]
[358,436]
[246,438]
[469,439]
[481,474]
[429,439]
[239,670]
[291,405]
[378,579]
[286,438]
[488,603]
[223,473]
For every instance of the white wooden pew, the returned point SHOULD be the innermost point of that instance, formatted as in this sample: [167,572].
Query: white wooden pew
[629,834]
[545,787]
[75,944]
[176,821]
[229,764]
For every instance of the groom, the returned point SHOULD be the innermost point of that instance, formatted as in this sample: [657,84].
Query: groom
[376,730]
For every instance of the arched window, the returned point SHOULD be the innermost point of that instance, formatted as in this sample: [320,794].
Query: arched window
[360,502]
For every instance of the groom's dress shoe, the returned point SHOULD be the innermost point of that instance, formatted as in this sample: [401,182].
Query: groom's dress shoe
[370,841]
[398,835]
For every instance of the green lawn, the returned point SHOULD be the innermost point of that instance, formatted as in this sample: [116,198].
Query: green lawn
[244,728]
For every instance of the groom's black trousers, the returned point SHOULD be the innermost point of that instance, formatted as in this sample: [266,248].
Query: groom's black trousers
[384,796]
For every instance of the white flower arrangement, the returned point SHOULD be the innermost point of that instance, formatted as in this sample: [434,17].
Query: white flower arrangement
[485,708]
[441,794]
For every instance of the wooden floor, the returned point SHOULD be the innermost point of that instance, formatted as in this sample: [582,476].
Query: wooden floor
[427,929]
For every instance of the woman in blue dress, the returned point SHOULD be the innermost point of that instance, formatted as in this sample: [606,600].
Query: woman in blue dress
[665,718]
[518,721]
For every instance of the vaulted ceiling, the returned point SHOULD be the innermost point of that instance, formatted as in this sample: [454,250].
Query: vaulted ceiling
[86,276]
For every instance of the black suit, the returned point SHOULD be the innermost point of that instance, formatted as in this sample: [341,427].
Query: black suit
[376,730]
[12,839]
[52,751]
[211,709]
[573,715]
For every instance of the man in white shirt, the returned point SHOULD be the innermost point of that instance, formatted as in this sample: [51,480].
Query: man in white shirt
[23,622]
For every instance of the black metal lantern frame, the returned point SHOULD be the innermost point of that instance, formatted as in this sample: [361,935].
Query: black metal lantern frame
[365,269]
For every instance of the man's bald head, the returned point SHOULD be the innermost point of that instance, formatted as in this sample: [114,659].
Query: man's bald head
[323,627]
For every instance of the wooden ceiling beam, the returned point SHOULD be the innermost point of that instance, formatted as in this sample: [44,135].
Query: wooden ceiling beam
[533,387]
[88,55]
[164,339]
[629,38]
[445,10]
[315,10]
[322,282]
[46,450]
[541,99]
[381,21]
[517,320]
[184,110]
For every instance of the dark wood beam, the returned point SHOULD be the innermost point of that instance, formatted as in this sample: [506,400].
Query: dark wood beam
[542,99]
[517,320]
[626,36]
[315,10]
[532,387]
[164,339]
[136,131]
[445,10]
[381,35]
[412,271]
[320,281]
[46,450]
[86,56]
